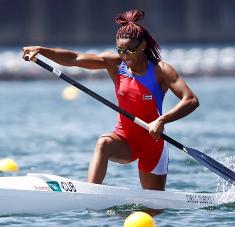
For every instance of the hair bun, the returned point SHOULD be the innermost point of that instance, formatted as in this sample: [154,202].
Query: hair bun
[129,17]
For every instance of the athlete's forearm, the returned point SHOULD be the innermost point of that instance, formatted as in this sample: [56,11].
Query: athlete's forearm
[60,56]
[182,109]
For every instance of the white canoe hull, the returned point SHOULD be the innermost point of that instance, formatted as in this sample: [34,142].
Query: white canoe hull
[44,193]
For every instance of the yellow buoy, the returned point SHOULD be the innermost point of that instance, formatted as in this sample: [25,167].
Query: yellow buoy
[8,165]
[139,219]
[70,93]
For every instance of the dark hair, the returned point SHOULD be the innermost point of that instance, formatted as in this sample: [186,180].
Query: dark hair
[131,30]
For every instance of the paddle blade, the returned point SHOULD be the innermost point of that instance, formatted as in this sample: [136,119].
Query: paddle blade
[212,164]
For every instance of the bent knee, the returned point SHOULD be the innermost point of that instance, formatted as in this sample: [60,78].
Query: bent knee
[104,141]
[104,144]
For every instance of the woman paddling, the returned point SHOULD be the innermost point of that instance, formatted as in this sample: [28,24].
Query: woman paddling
[141,80]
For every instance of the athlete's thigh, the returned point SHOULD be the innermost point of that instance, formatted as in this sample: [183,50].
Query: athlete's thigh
[152,181]
[120,151]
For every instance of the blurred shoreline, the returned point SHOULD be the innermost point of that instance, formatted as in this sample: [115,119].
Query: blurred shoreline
[188,60]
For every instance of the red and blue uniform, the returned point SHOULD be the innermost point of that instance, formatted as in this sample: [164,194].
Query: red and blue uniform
[141,96]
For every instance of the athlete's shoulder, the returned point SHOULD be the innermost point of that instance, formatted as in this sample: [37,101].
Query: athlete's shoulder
[165,68]
[165,71]
[112,62]
[110,57]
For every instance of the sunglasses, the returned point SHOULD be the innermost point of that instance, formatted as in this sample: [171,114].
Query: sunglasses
[128,51]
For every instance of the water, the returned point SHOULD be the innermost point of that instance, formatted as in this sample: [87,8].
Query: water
[45,133]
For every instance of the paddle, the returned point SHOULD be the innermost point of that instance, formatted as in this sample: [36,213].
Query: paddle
[205,160]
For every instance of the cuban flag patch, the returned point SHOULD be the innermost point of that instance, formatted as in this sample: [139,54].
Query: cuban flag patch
[147,97]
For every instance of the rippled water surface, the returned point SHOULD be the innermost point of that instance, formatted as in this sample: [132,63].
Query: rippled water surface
[45,133]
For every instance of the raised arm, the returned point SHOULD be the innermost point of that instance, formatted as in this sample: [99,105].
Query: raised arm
[64,57]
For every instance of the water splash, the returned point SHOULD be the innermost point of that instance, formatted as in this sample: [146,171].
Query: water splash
[227,189]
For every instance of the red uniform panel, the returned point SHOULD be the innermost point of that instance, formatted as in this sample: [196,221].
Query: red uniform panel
[133,97]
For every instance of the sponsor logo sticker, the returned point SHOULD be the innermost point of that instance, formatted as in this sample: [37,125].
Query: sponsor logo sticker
[54,185]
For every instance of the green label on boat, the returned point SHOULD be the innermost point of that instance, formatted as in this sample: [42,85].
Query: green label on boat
[54,185]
